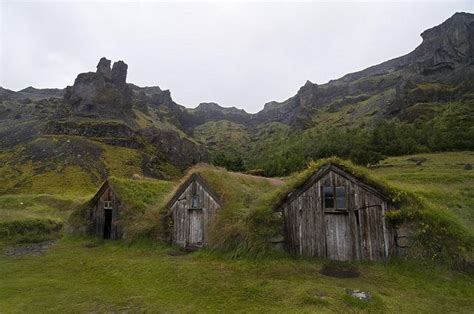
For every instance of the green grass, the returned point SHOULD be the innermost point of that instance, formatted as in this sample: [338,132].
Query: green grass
[73,172]
[119,276]
[30,230]
[122,162]
[238,191]
[116,277]
[38,206]
[223,135]
[33,218]
[441,180]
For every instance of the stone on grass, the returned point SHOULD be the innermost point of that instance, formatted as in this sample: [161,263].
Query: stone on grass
[361,295]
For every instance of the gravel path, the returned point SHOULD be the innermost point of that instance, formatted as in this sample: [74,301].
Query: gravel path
[35,249]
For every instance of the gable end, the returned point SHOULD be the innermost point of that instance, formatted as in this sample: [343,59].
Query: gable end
[319,174]
[198,178]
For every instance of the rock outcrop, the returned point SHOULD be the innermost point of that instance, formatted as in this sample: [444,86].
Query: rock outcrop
[446,57]
[103,67]
[119,74]
[103,93]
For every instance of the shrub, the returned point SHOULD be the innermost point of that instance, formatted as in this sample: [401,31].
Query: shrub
[30,230]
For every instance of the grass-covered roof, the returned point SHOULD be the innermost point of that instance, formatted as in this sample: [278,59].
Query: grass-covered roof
[142,193]
[298,180]
[237,191]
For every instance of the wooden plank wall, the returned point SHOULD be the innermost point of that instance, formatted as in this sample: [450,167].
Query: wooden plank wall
[181,215]
[98,215]
[359,234]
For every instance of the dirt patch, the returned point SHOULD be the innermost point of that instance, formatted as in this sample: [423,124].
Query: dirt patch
[178,252]
[91,245]
[34,249]
[339,270]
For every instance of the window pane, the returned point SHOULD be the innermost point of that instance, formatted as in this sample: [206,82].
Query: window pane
[328,197]
[341,197]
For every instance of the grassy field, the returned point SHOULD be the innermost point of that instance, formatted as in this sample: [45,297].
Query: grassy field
[441,180]
[81,275]
[84,275]
[32,206]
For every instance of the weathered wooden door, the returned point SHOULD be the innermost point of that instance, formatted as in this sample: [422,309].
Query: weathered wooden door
[371,230]
[195,230]
[338,237]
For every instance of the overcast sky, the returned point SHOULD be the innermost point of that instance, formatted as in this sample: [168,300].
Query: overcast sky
[236,54]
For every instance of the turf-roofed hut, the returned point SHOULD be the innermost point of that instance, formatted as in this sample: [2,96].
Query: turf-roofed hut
[205,192]
[193,206]
[336,214]
[120,202]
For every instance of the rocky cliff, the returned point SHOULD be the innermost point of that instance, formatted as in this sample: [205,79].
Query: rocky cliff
[99,110]
[446,56]
[102,107]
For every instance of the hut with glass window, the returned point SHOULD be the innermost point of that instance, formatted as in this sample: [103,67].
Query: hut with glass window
[192,208]
[336,215]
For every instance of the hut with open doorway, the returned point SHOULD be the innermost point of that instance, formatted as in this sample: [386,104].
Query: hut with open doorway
[335,214]
[117,204]
[205,192]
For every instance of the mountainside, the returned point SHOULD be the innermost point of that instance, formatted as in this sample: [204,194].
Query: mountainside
[102,125]
[425,99]
[99,126]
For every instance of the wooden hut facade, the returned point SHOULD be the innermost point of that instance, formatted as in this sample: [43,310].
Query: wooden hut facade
[193,206]
[111,213]
[337,216]
[106,207]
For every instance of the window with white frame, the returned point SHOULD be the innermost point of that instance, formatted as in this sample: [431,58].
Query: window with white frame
[107,204]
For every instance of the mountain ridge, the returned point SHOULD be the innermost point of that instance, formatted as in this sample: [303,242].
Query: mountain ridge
[460,22]
[425,85]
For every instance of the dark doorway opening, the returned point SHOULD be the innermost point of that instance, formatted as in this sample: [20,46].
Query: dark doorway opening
[107,223]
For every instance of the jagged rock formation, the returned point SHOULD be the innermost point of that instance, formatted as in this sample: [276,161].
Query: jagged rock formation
[102,106]
[102,93]
[103,68]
